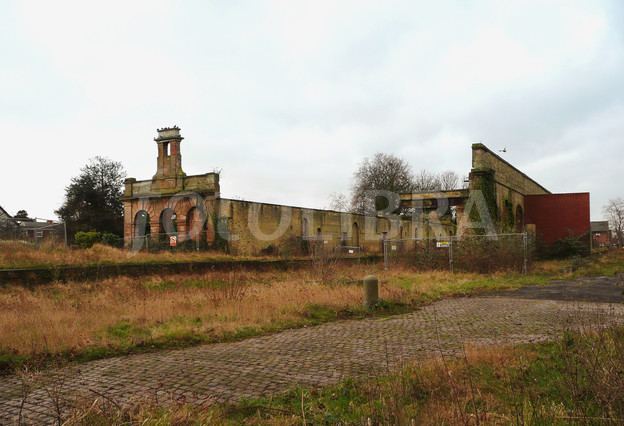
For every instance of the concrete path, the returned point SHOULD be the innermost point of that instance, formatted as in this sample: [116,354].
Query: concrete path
[322,355]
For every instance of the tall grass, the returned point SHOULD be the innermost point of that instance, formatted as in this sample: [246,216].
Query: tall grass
[23,255]
[114,315]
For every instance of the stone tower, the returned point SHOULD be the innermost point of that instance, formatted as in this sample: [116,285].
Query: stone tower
[169,173]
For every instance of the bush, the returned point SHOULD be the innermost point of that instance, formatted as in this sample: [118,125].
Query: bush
[110,239]
[564,248]
[88,239]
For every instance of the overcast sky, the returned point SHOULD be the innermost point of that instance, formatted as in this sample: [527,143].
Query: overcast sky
[286,98]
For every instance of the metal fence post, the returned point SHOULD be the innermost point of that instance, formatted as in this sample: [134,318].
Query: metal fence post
[451,266]
[385,253]
[65,232]
[525,248]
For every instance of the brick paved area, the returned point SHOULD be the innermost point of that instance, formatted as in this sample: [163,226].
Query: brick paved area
[316,356]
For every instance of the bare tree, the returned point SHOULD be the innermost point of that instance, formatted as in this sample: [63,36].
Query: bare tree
[384,172]
[615,214]
[338,202]
[448,181]
[426,181]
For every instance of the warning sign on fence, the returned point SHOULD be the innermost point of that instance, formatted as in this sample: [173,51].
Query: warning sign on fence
[173,241]
[443,244]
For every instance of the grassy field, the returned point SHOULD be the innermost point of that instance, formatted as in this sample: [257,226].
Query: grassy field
[575,380]
[82,321]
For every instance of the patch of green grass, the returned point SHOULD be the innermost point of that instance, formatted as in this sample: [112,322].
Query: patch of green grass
[125,331]
[11,361]
[506,282]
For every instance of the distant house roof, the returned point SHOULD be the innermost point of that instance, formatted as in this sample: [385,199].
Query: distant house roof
[35,224]
[4,214]
[6,217]
[601,226]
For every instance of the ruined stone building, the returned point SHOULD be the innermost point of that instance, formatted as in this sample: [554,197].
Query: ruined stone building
[173,208]
[191,209]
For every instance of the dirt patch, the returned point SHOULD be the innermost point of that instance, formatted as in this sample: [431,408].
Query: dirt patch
[596,289]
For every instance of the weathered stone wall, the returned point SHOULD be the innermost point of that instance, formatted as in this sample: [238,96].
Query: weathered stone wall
[260,228]
[511,187]
[505,174]
[251,228]
[206,184]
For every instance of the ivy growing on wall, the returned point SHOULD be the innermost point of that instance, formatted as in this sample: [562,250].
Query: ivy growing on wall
[508,221]
[483,180]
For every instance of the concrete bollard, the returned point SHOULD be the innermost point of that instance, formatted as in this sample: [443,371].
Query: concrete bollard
[371,291]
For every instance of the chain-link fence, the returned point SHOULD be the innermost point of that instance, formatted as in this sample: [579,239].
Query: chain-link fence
[476,253]
[294,247]
[170,242]
[32,230]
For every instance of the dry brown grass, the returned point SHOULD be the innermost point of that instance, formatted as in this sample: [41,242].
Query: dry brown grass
[74,316]
[22,255]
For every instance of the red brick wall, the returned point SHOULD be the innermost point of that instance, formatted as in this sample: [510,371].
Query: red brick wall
[557,216]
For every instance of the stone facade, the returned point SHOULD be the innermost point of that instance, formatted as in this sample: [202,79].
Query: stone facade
[191,209]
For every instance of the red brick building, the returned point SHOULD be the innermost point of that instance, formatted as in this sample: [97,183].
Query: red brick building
[558,216]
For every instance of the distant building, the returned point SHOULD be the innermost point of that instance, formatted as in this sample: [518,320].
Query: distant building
[601,234]
[27,229]
[4,216]
[8,225]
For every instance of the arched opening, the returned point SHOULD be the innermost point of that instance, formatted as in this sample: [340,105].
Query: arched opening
[142,226]
[355,235]
[519,219]
[304,228]
[195,224]
[168,223]
[507,219]
[319,234]
[401,232]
